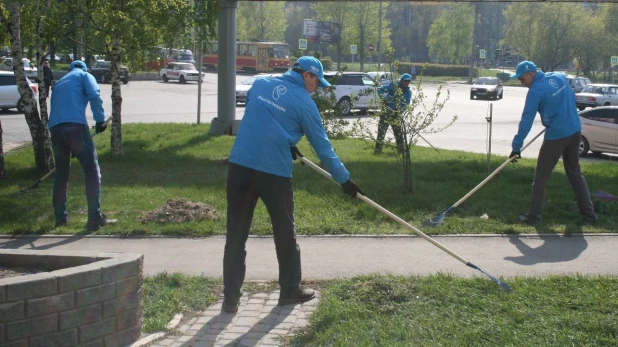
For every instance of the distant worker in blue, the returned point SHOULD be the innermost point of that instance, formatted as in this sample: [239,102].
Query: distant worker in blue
[413,72]
[70,135]
[551,96]
[279,111]
[395,100]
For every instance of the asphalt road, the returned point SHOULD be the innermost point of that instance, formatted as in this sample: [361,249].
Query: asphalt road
[158,102]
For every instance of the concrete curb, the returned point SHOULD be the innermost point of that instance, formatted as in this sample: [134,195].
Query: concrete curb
[153,337]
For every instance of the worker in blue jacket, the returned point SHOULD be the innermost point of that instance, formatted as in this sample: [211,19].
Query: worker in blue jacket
[279,111]
[551,96]
[395,100]
[70,134]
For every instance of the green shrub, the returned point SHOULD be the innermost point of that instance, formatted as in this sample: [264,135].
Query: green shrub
[437,70]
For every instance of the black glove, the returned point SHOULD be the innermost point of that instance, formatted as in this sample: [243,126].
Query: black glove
[517,155]
[350,188]
[295,153]
[100,127]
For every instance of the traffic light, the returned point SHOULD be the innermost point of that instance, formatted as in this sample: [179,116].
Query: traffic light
[497,54]
[507,54]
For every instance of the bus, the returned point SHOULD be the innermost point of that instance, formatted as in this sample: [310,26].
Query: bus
[252,57]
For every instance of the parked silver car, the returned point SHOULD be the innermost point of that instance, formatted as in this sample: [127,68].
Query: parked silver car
[29,69]
[594,95]
[599,130]
[578,83]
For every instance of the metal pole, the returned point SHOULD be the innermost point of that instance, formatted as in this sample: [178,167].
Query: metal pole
[380,39]
[226,99]
[199,82]
[489,120]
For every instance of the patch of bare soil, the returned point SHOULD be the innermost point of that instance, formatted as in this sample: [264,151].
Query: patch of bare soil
[13,271]
[179,211]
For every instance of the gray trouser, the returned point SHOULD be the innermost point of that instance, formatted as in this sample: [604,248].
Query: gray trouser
[550,153]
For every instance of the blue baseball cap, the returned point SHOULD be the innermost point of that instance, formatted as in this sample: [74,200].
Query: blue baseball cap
[78,64]
[312,65]
[406,77]
[524,67]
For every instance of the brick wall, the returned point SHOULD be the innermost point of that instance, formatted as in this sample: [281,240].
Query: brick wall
[94,304]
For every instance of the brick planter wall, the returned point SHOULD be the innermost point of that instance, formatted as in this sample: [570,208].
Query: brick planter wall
[89,299]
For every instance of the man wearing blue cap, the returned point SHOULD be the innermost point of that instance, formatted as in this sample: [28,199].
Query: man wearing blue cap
[395,97]
[70,134]
[279,111]
[551,96]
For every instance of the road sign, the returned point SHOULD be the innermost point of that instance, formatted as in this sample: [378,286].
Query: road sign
[353,49]
[302,44]
[614,60]
[482,54]
[370,47]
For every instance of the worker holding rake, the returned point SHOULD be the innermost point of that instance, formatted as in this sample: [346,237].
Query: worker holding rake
[550,95]
[279,111]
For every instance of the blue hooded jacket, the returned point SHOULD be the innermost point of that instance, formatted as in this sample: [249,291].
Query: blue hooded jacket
[387,92]
[71,95]
[279,111]
[552,97]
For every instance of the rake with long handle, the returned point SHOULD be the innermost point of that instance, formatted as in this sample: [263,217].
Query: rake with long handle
[437,220]
[409,226]
[51,172]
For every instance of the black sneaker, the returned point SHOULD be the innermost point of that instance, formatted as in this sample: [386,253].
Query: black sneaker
[94,224]
[229,307]
[528,220]
[60,223]
[296,296]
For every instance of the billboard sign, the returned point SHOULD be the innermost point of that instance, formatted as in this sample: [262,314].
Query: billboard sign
[322,32]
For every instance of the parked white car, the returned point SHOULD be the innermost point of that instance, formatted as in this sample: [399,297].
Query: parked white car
[244,86]
[182,72]
[382,77]
[29,69]
[9,95]
[594,95]
[353,90]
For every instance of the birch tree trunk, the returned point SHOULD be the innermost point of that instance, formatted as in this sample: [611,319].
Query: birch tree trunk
[116,133]
[39,132]
[2,170]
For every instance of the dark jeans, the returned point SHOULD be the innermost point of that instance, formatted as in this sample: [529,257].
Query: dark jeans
[75,138]
[389,118]
[549,155]
[244,187]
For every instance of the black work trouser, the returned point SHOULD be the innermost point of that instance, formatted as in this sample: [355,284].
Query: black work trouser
[244,187]
[389,118]
[550,153]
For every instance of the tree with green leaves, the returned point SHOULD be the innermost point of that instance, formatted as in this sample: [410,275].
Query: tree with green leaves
[261,21]
[450,35]
[416,119]
[10,17]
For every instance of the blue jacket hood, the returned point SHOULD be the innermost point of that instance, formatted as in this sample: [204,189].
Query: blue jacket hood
[552,97]
[278,112]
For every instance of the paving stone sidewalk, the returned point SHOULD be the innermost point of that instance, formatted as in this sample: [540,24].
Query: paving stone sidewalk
[260,321]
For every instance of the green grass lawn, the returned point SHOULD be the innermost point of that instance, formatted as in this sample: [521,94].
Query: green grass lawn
[171,161]
[438,310]
[442,310]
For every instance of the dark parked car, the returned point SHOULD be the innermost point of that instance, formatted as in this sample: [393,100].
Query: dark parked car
[486,87]
[102,73]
